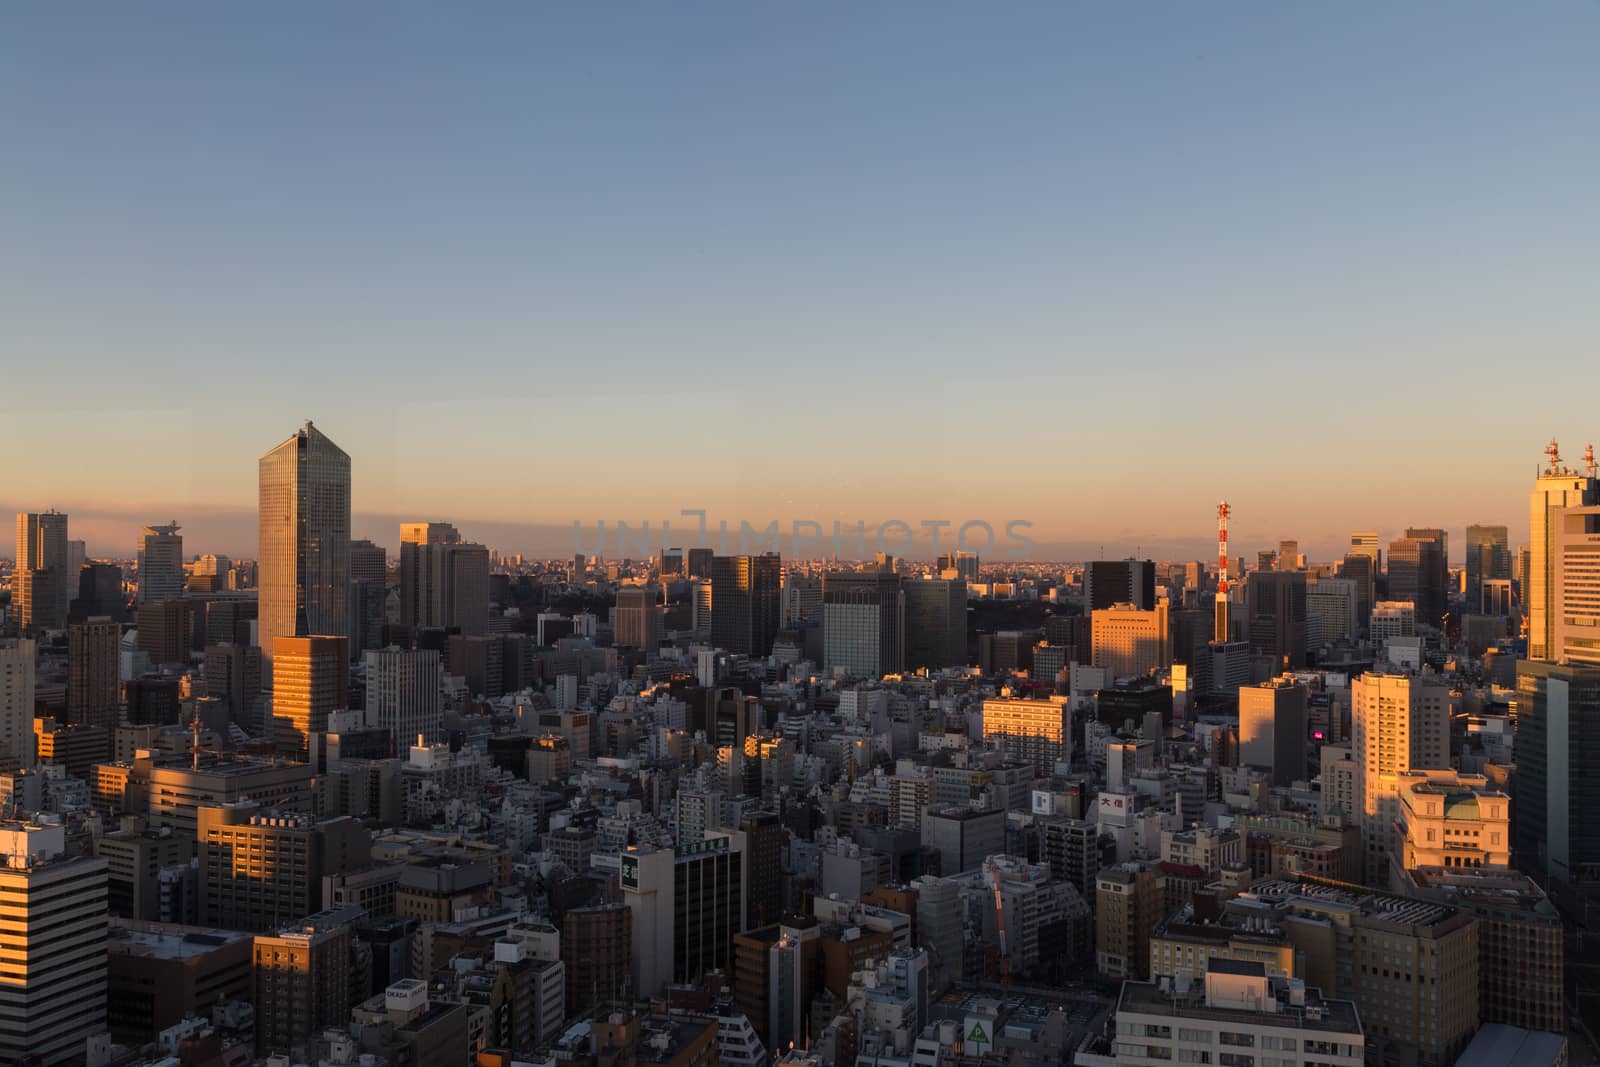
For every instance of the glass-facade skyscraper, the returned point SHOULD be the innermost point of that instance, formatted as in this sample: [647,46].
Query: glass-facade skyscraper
[304,554]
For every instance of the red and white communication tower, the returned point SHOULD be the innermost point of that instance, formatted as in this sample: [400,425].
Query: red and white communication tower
[1222,571]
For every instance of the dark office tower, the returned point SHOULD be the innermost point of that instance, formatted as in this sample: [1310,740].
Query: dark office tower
[1359,568]
[97,592]
[936,623]
[304,563]
[39,583]
[1119,581]
[671,563]
[369,570]
[368,562]
[1488,558]
[746,602]
[1072,632]
[1276,606]
[233,675]
[444,581]
[765,838]
[597,947]
[166,630]
[1418,572]
[863,623]
[228,620]
[151,700]
[92,679]
[697,562]
[1555,836]
[1267,559]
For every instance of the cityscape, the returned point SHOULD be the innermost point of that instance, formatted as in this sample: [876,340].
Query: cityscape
[800,536]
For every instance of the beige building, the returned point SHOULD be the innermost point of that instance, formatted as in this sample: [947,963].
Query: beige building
[40,585]
[636,619]
[258,871]
[301,983]
[311,679]
[52,946]
[1450,819]
[444,581]
[1128,904]
[1272,729]
[16,704]
[1576,597]
[1556,489]
[1034,732]
[1130,641]
[1400,723]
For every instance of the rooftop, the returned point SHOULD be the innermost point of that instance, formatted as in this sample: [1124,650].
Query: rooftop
[167,941]
[1319,1014]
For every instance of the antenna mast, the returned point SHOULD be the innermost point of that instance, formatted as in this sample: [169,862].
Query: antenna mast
[1222,627]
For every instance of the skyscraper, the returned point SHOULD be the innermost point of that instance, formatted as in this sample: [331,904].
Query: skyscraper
[369,572]
[1400,723]
[1272,729]
[1557,488]
[304,553]
[636,619]
[1119,581]
[312,680]
[1359,568]
[1276,610]
[1575,605]
[1131,641]
[1488,558]
[863,623]
[16,703]
[93,648]
[936,623]
[39,584]
[1365,543]
[444,581]
[746,602]
[1419,564]
[1288,555]
[1555,835]
[53,941]
[403,694]
[160,557]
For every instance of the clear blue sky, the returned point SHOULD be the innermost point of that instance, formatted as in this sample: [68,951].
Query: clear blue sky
[1097,265]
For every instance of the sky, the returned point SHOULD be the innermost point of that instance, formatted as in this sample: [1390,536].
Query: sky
[1094,266]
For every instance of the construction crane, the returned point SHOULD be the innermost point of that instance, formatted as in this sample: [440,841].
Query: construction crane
[1222,627]
[1000,922]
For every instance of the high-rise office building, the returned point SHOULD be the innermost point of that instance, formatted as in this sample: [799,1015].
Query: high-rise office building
[1488,557]
[313,680]
[1119,581]
[16,703]
[160,556]
[1575,596]
[369,592]
[636,619]
[300,984]
[1557,488]
[404,694]
[53,943]
[232,674]
[304,557]
[697,562]
[765,839]
[1419,571]
[1331,608]
[863,623]
[802,600]
[1556,837]
[97,590]
[165,630]
[597,946]
[746,602]
[444,581]
[1289,555]
[1130,640]
[1359,569]
[260,869]
[1034,732]
[39,583]
[1276,611]
[93,684]
[936,623]
[1365,543]
[1272,729]
[685,904]
[1399,723]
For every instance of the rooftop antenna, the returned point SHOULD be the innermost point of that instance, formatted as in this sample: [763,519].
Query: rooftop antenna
[1553,450]
[194,749]
[1588,459]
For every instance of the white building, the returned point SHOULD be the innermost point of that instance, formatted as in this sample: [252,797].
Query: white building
[1235,1013]
[403,693]
[1400,722]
